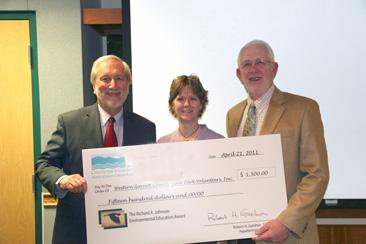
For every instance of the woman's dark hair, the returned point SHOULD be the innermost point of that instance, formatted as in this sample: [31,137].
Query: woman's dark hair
[193,82]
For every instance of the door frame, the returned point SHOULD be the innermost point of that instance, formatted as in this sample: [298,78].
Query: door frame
[37,186]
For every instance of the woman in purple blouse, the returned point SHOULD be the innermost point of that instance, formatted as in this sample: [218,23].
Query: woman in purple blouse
[187,102]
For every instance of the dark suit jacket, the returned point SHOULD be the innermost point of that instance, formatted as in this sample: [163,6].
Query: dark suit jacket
[77,130]
[297,119]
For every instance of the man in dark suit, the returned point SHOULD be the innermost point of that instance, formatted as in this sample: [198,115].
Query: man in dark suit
[60,169]
[297,119]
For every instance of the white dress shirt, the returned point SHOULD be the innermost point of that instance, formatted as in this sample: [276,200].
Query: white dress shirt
[118,125]
[261,105]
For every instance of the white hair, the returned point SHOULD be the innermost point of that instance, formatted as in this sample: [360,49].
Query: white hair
[261,43]
[96,63]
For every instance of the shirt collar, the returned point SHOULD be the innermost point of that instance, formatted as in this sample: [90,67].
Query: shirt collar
[260,102]
[104,116]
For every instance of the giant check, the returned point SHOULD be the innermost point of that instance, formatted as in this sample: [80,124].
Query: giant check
[183,192]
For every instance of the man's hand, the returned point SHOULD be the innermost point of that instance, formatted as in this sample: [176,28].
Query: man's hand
[73,183]
[272,231]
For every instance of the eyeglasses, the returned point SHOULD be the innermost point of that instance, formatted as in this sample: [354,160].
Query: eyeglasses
[258,63]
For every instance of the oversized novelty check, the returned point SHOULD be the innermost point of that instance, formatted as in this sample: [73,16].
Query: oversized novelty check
[183,192]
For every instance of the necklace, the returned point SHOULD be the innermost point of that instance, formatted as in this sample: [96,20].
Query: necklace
[187,138]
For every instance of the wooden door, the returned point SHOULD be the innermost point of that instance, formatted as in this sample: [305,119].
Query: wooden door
[17,200]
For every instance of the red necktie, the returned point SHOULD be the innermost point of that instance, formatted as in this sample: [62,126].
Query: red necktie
[110,138]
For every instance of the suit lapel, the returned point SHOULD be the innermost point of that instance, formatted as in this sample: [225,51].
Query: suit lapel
[93,130]
[235,118]
[274,112]
[127,127]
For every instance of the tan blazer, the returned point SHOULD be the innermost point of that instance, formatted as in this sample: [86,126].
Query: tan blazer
[297,119]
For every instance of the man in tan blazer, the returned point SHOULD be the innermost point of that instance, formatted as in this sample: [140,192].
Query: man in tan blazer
[297,119]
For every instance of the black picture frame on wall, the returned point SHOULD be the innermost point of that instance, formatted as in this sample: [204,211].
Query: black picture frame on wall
[126,46]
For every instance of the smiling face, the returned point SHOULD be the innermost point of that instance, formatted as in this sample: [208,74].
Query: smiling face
[187,105]
[256,70]
[111,85]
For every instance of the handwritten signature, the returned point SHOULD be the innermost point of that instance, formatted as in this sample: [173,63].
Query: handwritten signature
[235,214]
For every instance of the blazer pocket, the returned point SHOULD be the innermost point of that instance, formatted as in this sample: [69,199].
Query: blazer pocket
[286,133]
[288,139]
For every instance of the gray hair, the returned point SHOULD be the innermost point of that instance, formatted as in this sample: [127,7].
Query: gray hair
[100,60]
[261,43]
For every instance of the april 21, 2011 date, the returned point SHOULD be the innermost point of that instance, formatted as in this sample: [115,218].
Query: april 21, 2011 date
[244,153]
